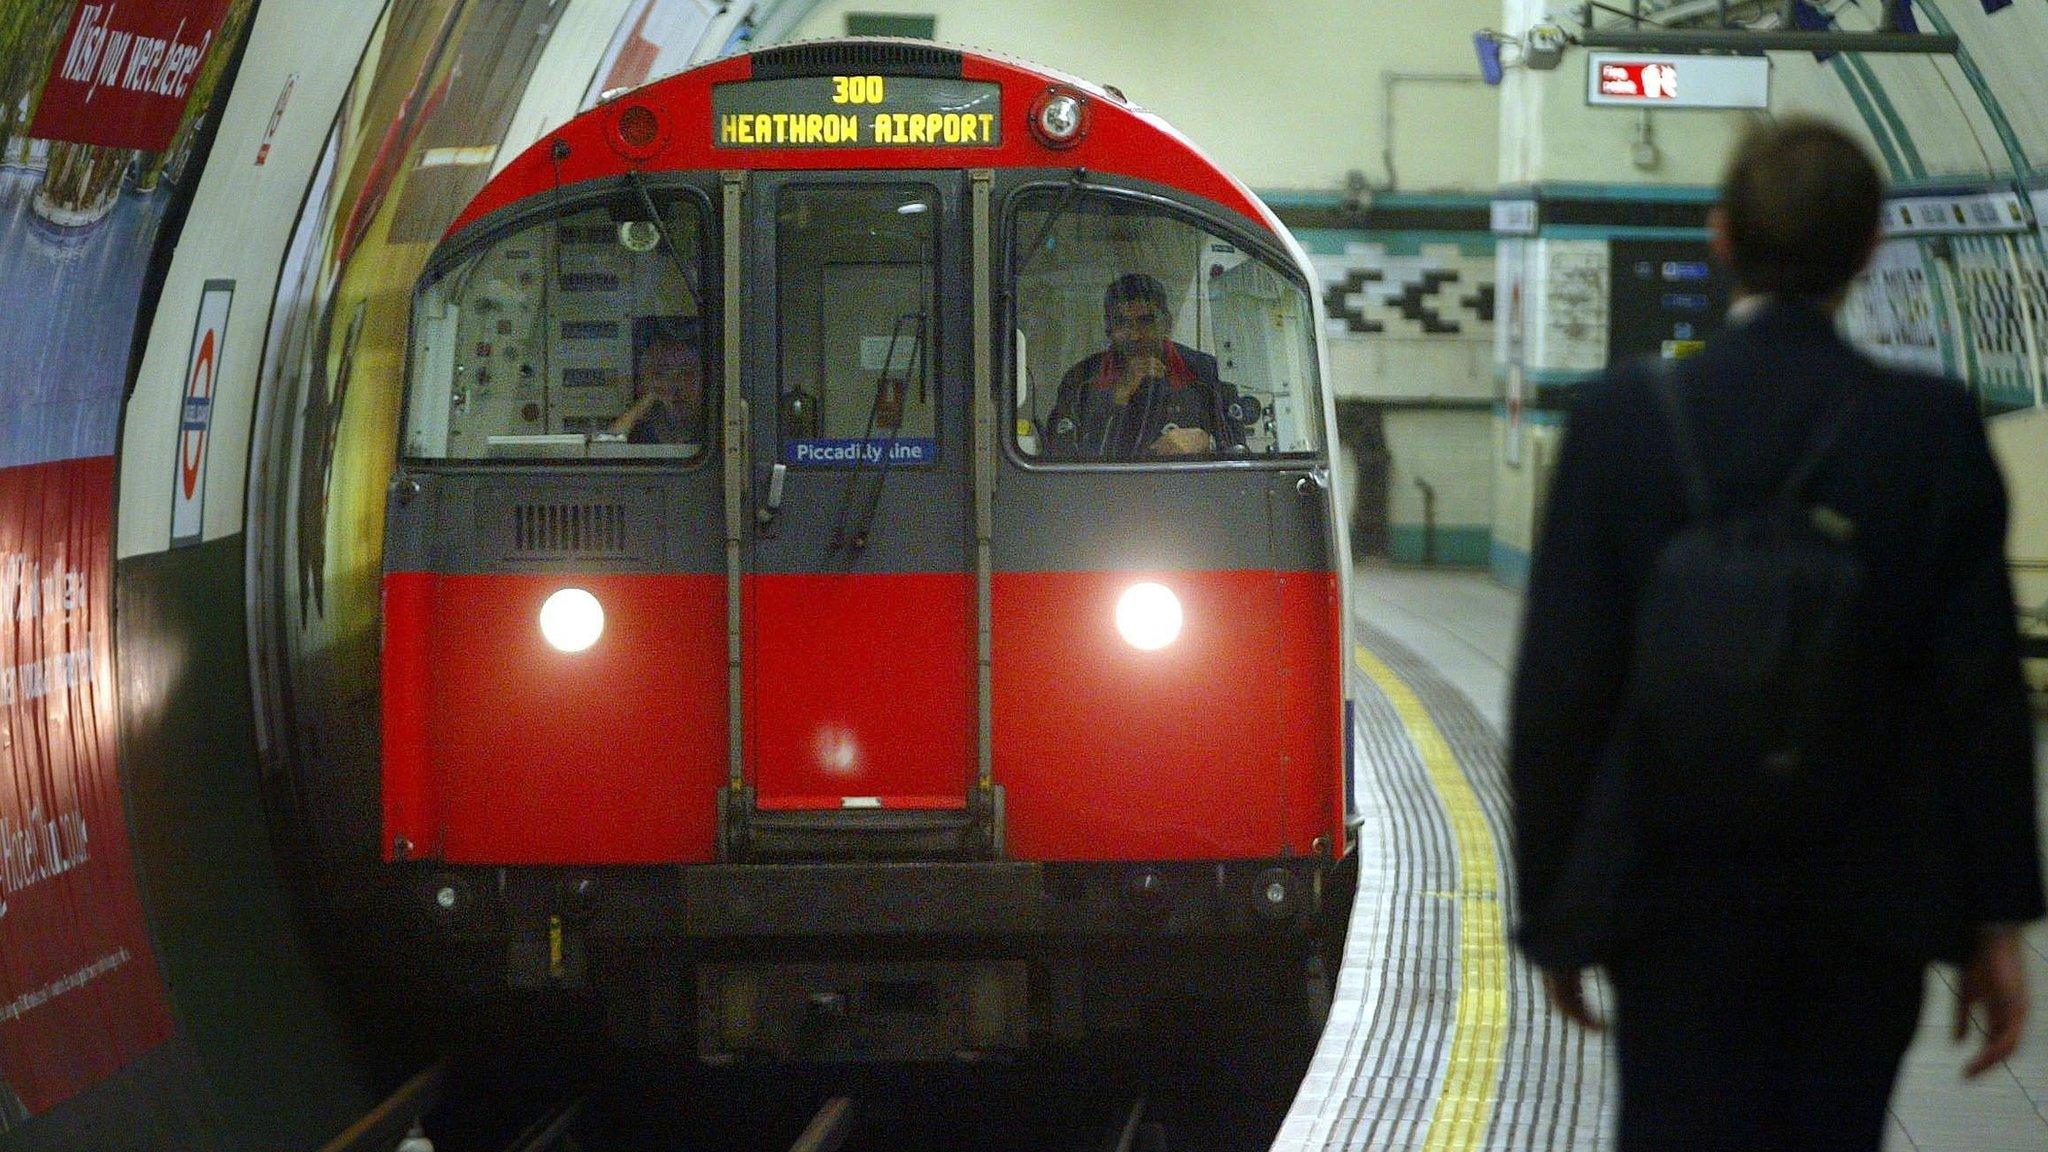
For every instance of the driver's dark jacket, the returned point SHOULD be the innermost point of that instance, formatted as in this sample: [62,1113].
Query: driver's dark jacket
[1086,422]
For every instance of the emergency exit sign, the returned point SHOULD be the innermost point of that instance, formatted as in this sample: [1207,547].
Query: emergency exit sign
[1678,81]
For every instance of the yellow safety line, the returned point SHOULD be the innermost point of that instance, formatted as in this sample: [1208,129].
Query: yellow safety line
[1465,1095]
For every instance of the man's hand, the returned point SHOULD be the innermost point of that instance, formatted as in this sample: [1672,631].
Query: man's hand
[1565,988]
[1993,979]
[631,416]
[1138,368]
[1182,442]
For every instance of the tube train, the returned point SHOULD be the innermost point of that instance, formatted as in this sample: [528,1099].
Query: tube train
[862,578]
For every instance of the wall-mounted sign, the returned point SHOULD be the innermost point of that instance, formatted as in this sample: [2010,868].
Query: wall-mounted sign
[276,118]
[1514,217]
[1678,81]
[195,419]
[1965,213]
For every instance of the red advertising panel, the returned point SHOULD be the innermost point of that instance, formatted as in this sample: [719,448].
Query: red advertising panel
[1639,79]
[124,69]
[80,996]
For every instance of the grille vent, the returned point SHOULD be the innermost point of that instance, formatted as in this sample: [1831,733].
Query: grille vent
[883,57]
[569,529]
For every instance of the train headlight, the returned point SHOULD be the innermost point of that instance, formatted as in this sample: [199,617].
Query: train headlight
[1059,119]
[572,620]
[1149,616]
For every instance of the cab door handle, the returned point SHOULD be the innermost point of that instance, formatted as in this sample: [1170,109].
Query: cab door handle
[765,515]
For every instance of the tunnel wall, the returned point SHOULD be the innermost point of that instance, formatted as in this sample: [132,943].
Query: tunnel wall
[221,1035]
[90,193]
[226,1040]
[254,999]
[1408,292]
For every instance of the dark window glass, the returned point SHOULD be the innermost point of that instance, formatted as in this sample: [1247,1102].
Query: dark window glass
[1142,336]
[579,337]
[854,280]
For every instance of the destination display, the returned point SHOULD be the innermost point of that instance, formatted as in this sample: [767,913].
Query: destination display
[857,112]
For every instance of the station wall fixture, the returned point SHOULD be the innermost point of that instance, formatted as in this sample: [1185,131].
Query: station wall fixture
[1692,27]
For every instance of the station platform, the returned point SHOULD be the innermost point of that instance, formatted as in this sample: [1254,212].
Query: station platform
[1440,1039]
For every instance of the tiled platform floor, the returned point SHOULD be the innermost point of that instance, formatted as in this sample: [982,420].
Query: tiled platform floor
[1398,1068]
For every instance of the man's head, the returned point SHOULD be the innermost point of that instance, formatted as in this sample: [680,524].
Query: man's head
[1799,210]
[1135,313]
[668,365]
[668,368]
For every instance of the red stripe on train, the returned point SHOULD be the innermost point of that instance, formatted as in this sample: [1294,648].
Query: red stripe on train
[1224,744]
[501,750]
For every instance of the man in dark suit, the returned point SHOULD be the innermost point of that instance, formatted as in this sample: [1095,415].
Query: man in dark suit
[1144,396]
[1765,995]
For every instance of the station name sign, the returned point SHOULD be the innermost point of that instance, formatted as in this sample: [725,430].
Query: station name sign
[1960,213]
[857,112]
[1678,81]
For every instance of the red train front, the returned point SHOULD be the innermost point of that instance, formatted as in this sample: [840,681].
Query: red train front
[776,639]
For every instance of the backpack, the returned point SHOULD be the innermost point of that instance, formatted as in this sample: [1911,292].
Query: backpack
[1744,654]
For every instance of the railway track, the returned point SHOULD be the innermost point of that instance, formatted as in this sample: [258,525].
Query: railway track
[1199,1093]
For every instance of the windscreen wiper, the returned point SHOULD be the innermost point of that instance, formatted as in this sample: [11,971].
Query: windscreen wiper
[857,539]
[661,233]
[1059,210]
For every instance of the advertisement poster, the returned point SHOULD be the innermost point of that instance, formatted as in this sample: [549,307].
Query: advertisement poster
[656,39]
[99,106]
[1567,322]
[123,72]
[1890,312]
[1992,290]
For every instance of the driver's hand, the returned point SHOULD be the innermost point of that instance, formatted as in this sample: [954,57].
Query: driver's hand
[632,415]
[1137,370]
[1183,442]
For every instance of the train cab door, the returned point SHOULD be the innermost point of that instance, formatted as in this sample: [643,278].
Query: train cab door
[858,637]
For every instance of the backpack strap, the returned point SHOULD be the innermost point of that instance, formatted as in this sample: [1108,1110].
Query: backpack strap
[1825,434]
[1699,494]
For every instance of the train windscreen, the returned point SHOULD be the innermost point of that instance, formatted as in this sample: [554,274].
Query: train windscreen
[582,336]
[1132,320]
[856,323]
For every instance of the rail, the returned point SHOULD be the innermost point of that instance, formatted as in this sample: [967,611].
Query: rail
[383,1127]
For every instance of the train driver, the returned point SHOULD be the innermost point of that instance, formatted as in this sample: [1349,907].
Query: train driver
[668,378]
[1144,395]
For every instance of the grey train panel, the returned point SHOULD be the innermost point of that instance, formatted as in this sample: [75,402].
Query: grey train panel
[1214,519]
[1231,515]
[475,522]
[922,518]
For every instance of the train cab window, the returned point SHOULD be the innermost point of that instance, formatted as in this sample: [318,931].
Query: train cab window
[1141,336]
[581,337]
[854,285]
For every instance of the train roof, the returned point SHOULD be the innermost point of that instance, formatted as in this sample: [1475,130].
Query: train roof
[1120,138]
